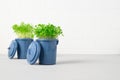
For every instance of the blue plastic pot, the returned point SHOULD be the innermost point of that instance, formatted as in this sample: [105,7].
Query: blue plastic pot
[48,51]
[22,46]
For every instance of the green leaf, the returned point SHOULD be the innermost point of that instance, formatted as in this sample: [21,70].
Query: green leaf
[23,30]
[47,31]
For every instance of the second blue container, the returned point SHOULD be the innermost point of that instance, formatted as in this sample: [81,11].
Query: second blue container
[48,51]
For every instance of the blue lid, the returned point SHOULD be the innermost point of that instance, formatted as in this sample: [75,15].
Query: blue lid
[12,49]
[33,52]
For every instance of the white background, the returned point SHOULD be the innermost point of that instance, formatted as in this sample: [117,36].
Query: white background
[89,26]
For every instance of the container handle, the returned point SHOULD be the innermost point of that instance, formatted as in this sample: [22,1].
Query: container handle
[57,42]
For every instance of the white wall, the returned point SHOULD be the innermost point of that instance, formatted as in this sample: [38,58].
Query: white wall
[89,26]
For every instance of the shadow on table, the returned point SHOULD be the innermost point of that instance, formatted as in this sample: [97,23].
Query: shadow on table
[75,62]
[17,59]
[69,62]
[65,62]
[78,61]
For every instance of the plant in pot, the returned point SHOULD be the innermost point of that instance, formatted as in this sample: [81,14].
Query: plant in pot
[47,35]
[25,35]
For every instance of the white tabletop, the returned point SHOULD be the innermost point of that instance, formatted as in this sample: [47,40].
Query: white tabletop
[68,67]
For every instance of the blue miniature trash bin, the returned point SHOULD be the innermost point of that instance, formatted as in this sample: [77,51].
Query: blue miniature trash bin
[48,51]
[23,45]
[45,50]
